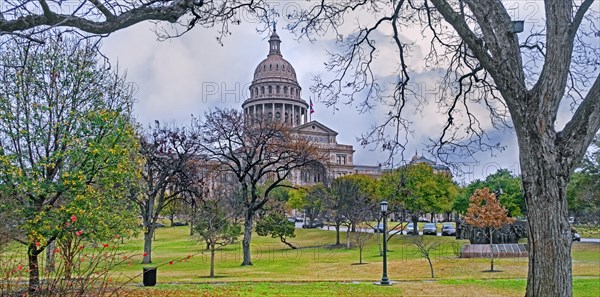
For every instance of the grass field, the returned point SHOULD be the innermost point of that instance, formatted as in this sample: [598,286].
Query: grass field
[318,269]
[588,231]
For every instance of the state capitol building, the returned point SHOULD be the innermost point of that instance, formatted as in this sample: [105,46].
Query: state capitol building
[276,94]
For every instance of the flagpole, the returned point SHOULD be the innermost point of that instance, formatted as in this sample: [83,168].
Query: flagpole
[311,110]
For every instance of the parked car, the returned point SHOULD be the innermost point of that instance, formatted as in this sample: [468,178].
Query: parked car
[179,224]
[575,236]
[448,230]
[410,228]
[430,229]
[378,228]
[316,224]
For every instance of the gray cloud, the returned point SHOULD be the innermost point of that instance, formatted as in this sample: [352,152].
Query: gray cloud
[193,73]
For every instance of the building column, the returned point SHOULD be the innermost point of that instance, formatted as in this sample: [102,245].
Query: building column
[305,116]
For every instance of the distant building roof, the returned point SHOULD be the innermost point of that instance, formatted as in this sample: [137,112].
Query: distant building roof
[416,159]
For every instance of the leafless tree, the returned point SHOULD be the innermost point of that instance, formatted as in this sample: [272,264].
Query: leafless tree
[254,152]
[29,17]
[425,248]
[168,172]
[521,83]
[361,238]
[352,205]
[214,224]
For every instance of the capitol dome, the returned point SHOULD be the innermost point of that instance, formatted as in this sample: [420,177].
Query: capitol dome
[275,67]
[275,91]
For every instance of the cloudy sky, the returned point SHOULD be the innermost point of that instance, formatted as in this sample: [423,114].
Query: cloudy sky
[191,74]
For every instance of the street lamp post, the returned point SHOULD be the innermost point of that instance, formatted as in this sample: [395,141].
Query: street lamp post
[384,209]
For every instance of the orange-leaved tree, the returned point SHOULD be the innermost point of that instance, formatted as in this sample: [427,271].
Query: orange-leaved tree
[486,212]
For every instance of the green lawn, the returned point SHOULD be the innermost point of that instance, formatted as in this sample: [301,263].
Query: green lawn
[588,231]
[323,270]
[499,287]
[319,269]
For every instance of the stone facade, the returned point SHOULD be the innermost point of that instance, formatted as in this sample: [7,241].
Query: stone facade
[276,94]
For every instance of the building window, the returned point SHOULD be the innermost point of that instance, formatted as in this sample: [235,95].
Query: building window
[270,90]
[285,89]
[340,159]
[262,90]
[278,89]
[317,178]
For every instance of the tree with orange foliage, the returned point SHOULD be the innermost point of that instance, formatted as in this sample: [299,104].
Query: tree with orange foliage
[486,212]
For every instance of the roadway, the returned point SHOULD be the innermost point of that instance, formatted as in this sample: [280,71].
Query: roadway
[371,230]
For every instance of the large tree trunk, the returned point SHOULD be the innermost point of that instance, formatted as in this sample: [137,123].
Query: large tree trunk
[148,244]
[212,260]
[544,184]
[415,221]
[247,237]
[34,270]
[192,220]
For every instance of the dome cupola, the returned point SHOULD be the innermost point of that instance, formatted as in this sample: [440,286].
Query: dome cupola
[275,67]
[275,91]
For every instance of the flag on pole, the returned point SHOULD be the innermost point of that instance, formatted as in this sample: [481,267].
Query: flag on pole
[311,106]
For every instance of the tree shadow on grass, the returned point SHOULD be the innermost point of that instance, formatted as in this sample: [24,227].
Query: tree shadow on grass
[325,246]
[364,263]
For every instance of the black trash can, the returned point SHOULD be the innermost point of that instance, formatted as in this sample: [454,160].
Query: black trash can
[149,276]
